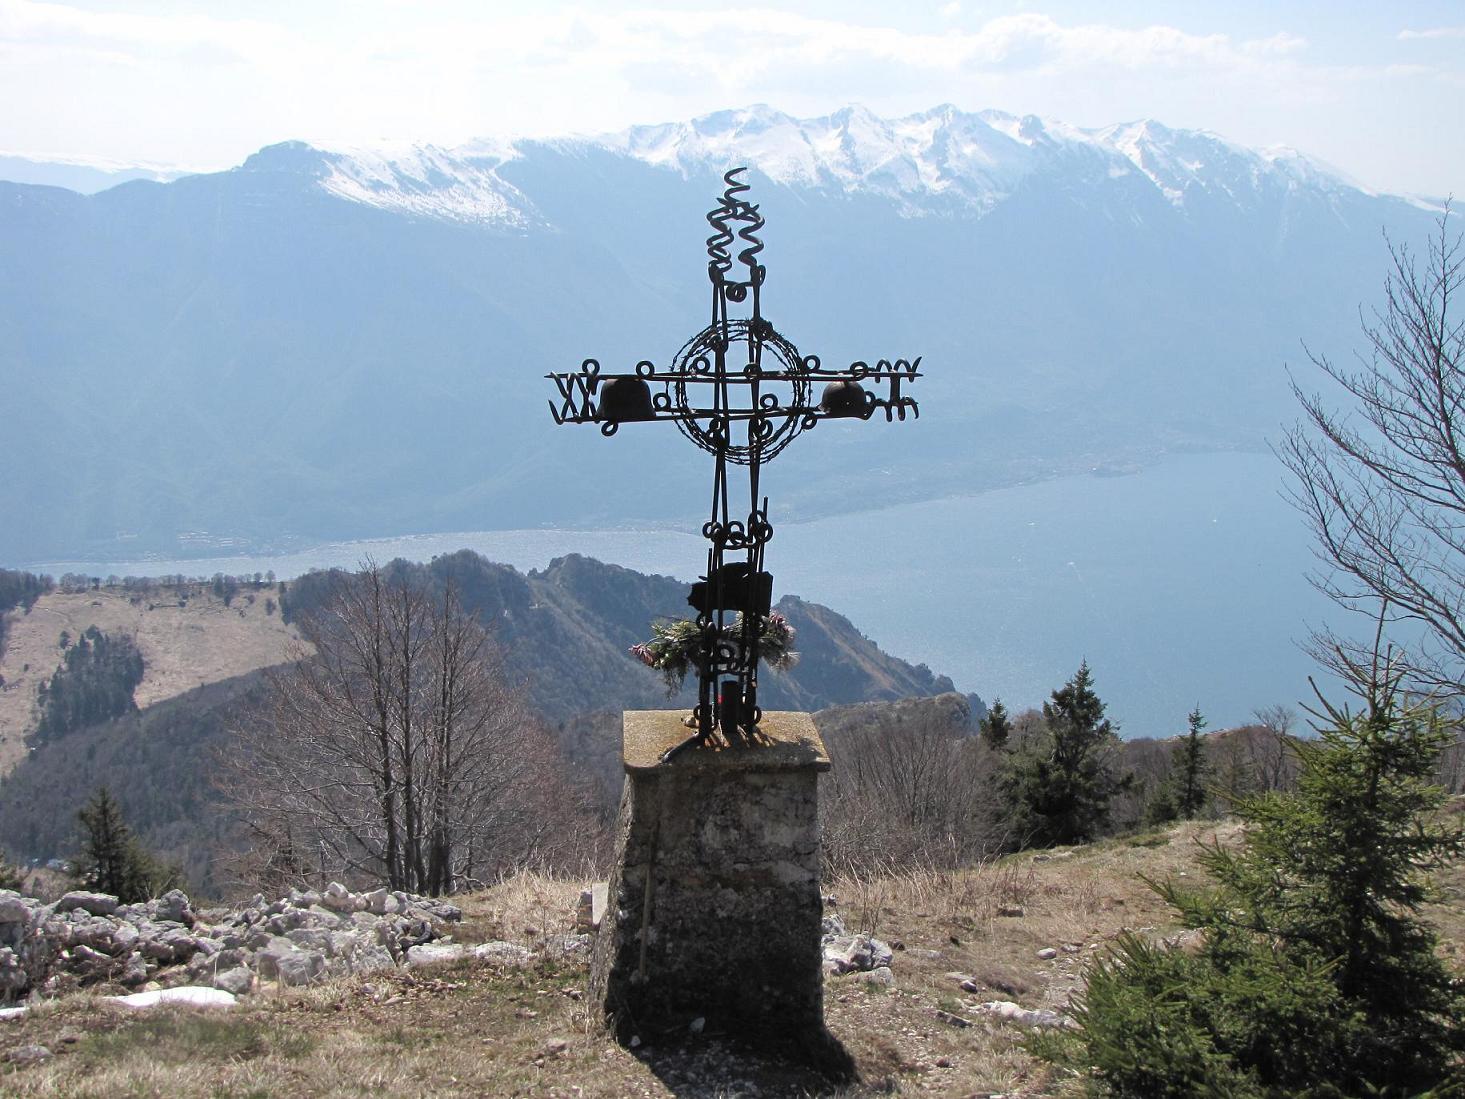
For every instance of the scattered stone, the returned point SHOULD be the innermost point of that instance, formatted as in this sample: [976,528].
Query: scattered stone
[502,953]
[96,904]
[1004,1009]
[555,1046]
[26,1056]
[13,907]
[435,954]
[1012,911]
[881,975]
[1189,941]
[696,1025]
[851,953]
[1047,954]
[236,981]
[952,1019]
[173,907]
[304,937]
[135,971]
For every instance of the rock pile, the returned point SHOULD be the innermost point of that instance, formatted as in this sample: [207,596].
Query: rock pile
[855,954]
[307,936]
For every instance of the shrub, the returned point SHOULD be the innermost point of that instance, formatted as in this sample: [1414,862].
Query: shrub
[1315,976]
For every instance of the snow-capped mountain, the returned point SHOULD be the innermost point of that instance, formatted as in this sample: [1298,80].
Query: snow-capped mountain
[341,342]
[940,162]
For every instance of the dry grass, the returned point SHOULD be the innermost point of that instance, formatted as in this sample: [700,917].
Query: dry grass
[477,1030]
[182,647]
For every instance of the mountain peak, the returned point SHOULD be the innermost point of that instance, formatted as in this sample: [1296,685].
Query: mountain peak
[940,161]
[288,156]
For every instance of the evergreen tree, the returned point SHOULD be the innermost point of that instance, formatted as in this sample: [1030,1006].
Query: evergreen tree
[112,861]
[1058,786]
[1191,768]
[95,683]
[1315,976]
[995,727]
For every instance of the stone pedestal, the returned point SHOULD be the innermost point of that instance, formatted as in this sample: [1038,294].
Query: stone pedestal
[714,910]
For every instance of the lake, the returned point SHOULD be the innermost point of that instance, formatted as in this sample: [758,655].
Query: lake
[1182,584]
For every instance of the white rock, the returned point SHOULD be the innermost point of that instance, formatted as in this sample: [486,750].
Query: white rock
[1047,953]
[1006,1009]
[434,953]
[501,952]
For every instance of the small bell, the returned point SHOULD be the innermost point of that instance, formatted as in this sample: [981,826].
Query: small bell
[625,399]
[844,399]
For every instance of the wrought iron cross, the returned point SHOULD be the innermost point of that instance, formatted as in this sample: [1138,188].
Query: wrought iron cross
[741,392]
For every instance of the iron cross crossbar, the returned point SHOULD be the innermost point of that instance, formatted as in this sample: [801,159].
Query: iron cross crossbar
[741,392]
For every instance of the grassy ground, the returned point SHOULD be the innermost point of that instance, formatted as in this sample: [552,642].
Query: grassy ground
[477,1030]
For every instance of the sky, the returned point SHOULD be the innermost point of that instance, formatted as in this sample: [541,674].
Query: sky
[1372,89]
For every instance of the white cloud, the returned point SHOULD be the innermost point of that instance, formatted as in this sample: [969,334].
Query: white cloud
[129,84]
[1433,32]
[27,22]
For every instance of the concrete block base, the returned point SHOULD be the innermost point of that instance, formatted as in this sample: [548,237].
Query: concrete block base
[713,909]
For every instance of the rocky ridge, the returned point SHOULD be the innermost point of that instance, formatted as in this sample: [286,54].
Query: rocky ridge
[307,936]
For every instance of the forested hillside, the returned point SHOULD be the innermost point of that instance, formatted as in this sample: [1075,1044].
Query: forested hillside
[566,632]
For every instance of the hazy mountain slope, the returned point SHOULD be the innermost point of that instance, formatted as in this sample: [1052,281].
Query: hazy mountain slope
[160,764]
[566,630]
[84,178]
[324,344]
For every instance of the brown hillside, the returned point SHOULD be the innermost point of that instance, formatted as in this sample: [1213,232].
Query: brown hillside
[183,647]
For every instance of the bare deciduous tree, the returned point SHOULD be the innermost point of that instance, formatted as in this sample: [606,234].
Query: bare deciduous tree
[908,784]
[394,748]
[1382,481]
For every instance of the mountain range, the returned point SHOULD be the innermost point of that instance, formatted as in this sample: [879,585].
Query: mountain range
[327,344]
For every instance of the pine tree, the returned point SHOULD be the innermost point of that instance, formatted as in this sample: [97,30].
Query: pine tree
[112,861]
[995,727]
[1058,787]
[1315,974]
[1191,768]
